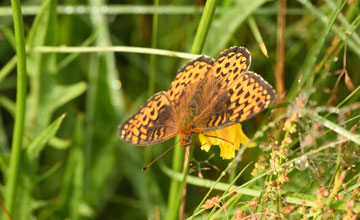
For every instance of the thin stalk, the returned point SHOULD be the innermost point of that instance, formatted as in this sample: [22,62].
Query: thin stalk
[186,167]
[15,157]
[204,26]
[6,70]
[212,214]
[175,184]
[255,30]
[123,49]
[336,128]
[137,9]
[152,75]
[280,54]
[199,41]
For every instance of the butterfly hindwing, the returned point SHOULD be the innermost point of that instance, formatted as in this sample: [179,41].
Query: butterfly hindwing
[246,96]
[151,124]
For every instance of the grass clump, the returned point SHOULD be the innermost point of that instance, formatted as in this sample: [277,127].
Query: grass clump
[88,68]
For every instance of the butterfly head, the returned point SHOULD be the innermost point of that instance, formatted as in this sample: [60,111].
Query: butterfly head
[185,140]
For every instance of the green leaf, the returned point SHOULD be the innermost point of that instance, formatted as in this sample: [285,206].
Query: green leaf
[331,125]
[38,144]
[8,104]
[63,94]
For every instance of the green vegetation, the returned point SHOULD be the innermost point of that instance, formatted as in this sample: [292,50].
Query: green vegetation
[89,67]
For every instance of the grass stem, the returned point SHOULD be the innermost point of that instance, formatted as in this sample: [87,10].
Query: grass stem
[15,158]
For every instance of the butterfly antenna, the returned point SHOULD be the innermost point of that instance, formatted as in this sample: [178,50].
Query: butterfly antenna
[158,157]
[211,136]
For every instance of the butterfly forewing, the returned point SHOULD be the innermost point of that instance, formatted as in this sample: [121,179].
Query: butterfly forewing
[188,75]
[229,65]
[151,124]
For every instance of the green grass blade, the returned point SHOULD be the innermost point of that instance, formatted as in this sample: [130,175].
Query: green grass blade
[64,94]
[14,171]
[306,69]
[343,32]
[8,104]
[256,32]
[71,57]
[154,30]
[333,126]
[38,144]
[225,26]
[73,185]
[6,70]
[9,35]
[122,49]
[204,26]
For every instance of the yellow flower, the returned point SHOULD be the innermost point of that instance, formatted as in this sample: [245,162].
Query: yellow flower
[228,139]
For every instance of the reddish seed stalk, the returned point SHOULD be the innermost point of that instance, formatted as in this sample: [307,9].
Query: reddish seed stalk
[280,54]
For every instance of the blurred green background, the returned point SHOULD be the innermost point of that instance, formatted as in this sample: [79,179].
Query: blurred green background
[76,167]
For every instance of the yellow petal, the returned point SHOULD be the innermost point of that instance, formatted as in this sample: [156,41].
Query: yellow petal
[228,139]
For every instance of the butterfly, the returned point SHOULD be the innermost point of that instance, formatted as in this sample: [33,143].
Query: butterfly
[205,95]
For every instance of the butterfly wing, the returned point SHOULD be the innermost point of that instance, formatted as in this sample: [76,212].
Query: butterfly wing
[188,75]
[229,65]
[152,123]
[246,97]
[238,94]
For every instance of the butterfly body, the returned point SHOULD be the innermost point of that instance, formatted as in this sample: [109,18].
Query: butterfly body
[205,95]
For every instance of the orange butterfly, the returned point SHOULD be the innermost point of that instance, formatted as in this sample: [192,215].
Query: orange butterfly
[205,95]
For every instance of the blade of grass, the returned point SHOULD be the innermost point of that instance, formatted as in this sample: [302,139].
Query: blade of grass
[154,29]
[344,21]
[29,42]
[38,144]
[224,27]
[41,68]
[7,68]
[255,30]
[339,31]
[8,104]
[67,60]
[172,208]
[331,125]
[305,71]
[4,149]
[123,49]
[137,9]
[348,97]
[152,70]
[204,26]
[14,171]
[72,190]
[9,35]
[230,165]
